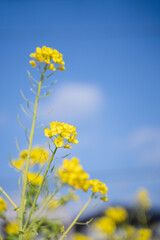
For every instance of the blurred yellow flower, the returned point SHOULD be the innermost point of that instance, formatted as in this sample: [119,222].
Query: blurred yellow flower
[118,214]
[72,173]
[34,178]
[3,205]
[38,156]
[80,236]
[144,234]
[106,225]
[143,199]
[12,228]
[33,63]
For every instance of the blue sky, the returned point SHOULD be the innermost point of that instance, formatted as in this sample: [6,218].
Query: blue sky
[110,89]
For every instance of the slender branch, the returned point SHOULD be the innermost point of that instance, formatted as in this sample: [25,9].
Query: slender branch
[76,218]
[23,198]
[14,205]
[39,190]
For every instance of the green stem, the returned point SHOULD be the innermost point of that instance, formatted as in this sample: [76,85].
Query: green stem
[39,190]
[23,198]
[14,205]
[44,206]
[76,218]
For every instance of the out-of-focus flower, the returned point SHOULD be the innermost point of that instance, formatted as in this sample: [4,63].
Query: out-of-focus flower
[3,205]
[33,63]
[71,172]
[34,178]
[80,236]
[38,156]
[143,199]
[12,228]
[144,234]
[106,225]
[118,214]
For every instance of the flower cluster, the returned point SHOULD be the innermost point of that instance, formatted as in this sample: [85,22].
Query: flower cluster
[48,56]
[118,214]
[34,178]
[106,225]
[38,156]
[143,199]
[3,205]
[71,172]
[64,134]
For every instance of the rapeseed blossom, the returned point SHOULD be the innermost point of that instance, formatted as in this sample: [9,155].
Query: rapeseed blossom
[64,134]
[143,199]
[106,225]
[144,234]
[3,205]
[34,178]
[118,214]
[12,228]
[38,156]
[48,56]
[80,236]
[71,172]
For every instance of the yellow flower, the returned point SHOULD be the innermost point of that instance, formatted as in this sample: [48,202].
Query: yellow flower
[54,203]
[3,205]
[33,63]
[80,236]
[34,178]
[144,234]
[118,214]
[39,155]
[58,141]
[49,56]
[12,228]
[67,146]
[52,67]
[97,186]
[72,173]
[19,163]
[143,199]
[61,68]
[106,225]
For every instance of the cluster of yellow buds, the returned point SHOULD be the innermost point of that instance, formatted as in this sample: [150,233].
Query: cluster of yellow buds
[64,134]
[143,199]
[3,205]
[48,56]
[118,214]
[71,172]
[38,156]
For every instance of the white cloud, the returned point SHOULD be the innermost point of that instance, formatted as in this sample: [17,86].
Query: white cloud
[74,101]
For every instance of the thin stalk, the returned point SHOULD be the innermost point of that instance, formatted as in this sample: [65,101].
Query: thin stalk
[23,198]
[9,199]
[76,218]
[39,190]
[44,206]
